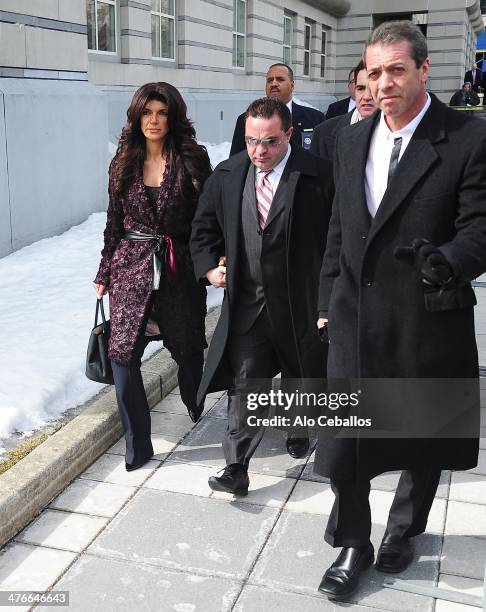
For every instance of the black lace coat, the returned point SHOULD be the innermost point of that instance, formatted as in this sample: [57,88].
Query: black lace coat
[126,268]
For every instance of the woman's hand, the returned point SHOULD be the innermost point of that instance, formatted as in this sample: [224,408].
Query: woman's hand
[100,290]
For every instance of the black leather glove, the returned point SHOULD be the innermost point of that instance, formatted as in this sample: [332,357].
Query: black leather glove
[429,261]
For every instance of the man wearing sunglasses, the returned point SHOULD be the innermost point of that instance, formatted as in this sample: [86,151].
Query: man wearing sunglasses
[260,231]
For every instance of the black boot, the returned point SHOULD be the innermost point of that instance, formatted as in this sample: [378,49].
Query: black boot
[189,378]
[234,480]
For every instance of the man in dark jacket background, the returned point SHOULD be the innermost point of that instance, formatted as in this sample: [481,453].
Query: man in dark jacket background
[407,236]
[346,105]
[280,86]
[260,231]
[325,134]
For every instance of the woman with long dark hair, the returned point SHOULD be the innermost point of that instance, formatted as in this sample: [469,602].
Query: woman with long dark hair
[155,180]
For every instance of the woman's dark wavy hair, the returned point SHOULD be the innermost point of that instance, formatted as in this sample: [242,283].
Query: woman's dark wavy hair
[187,159]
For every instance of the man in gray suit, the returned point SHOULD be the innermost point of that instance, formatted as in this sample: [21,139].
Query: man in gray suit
[260,231]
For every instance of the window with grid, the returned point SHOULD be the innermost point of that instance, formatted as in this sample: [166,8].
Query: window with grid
[101,21]
[287,40]
[239,33]
[307,48]
[323,51]
[162,13]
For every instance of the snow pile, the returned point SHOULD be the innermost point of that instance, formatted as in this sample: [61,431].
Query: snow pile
[47,309]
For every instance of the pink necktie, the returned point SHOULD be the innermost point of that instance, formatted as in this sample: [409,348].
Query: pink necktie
[264,195]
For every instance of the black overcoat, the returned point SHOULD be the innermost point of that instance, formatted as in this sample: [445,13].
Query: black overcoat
[216,232]
[382,321]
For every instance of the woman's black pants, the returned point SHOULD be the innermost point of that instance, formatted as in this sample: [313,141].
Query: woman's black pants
[132,401]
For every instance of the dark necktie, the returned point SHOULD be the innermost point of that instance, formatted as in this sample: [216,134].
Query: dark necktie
[397,145]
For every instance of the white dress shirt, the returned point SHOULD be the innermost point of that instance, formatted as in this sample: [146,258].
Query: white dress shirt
[275,175]
[289,106]
[351,104]
[381,145]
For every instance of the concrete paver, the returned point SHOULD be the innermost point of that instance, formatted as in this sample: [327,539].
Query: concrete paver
[111,468]
[181,478]
[450,606]
[466,519]
[461,584]
[92,497]
[187,532]
[163,445]
[28,567]
[468,487]
[464,556]
[64,530]
[264,490]
[313,497]
[177,425]
[118,586]
[257,598]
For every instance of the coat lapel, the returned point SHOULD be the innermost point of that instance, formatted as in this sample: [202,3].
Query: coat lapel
[355,155]
[232,198]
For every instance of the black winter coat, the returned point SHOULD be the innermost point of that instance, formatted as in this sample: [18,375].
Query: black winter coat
[216,232]
[383,322]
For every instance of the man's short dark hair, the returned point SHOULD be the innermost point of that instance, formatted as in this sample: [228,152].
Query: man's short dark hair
[266,108]
[289,69]
[391,32]
[361,66]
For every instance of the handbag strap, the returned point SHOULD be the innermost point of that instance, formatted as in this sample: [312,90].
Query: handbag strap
[99,306]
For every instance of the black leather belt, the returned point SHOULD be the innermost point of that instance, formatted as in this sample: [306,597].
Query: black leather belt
[163,257]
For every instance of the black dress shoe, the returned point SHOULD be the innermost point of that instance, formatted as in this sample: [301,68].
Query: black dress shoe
[342,578]
[137,464]
[195,413]
[297,447]
[233,480]
[394,555]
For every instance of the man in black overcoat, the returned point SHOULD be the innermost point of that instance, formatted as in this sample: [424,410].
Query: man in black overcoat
[325,134]
[346,105]
[269,263]
[279,84]
[407,236]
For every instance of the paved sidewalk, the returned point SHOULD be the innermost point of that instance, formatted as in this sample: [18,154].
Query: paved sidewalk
[158,539]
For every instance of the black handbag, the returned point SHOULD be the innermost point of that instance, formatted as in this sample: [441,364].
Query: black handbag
[98,366]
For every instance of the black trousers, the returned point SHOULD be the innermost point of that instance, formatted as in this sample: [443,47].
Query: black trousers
[132,401]
[350,519]
[253,354]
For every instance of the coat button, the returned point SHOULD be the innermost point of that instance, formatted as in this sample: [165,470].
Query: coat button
[364,236]
[367,282]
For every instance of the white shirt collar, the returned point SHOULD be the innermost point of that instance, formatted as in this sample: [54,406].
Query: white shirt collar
[289,105]
[406,131]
